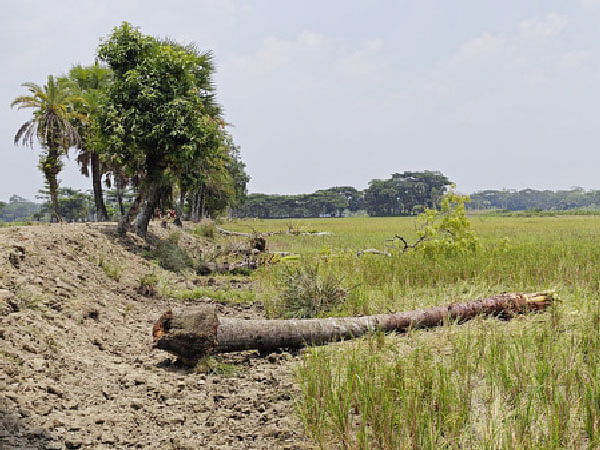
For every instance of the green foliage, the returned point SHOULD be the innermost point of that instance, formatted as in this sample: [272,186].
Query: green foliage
[148,283]
[206,230]
[112,271]
[306,292]
[533,201]
[446,230]
[226,294]
[160,112]
[73,205]
[170,255]
[18,209]
[404,194]
[211,364]
[51,125]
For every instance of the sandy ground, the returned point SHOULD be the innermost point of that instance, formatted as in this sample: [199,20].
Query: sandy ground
[76,365]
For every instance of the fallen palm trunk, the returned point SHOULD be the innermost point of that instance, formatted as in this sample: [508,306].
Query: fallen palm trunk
[192,334]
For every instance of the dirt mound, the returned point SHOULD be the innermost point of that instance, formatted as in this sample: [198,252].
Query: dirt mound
[76,365]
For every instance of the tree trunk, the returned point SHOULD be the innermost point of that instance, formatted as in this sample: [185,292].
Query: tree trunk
[101,213]
[147,210]
[192,334]
[181,204]
[51,167]
[126,219]
[119,181]
[202,201]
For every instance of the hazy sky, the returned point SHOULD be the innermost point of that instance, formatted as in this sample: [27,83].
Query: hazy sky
[322,93]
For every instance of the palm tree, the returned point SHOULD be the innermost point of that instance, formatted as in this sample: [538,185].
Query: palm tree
[51,125]
[90,82]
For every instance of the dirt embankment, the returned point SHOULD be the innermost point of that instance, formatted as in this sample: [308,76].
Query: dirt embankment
[76,365]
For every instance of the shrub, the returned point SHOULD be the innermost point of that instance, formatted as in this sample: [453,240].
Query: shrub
[306,293]
[207,230]
[171,256]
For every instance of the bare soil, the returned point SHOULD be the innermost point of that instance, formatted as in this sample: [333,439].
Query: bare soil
[76,365]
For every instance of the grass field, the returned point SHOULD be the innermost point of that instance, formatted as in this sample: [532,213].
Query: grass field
[533,382]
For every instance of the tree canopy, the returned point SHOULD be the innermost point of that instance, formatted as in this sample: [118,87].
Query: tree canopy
[161,122]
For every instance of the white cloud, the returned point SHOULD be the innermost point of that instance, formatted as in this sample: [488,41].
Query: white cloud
[480,46]
[552,24]
[590,3]
[574,59]
[363,61]
[275,53]
[311,39]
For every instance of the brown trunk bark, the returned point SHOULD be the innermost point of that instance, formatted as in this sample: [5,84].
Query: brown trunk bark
[147,210]
[126,219]
[51,167]
[101,213]
[191,334]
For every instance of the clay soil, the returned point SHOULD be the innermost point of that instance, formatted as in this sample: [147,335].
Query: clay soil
[76,365]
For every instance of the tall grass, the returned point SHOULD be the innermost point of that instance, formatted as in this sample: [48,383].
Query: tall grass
[533,382]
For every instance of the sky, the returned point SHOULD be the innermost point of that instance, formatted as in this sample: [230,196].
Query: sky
[334,93]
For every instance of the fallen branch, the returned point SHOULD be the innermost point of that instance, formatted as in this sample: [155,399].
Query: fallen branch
[372,251]
[192,334]
[225,232]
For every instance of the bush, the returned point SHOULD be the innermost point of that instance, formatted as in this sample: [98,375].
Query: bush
[171,256]
[306,293]
[207,231]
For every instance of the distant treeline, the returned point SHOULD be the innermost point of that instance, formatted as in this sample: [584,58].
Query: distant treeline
[74,206]
[403,194]
[527,199]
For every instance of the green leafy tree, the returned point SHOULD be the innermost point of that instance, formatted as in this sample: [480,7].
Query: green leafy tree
[51,125]
[91,83]
[160,116]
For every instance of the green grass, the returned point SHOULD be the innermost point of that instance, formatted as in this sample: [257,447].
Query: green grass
[533,382]
[225,294]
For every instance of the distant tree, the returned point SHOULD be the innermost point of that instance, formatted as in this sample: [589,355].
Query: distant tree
[74,205]
[17,209]
[51,125]
[91,83]
[406,193]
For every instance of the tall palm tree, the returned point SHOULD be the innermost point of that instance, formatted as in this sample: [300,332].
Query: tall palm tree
[51,125]
[90,82]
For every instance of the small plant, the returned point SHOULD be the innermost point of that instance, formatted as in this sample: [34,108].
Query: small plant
[112,271]
[307,293]
[210,364]
[148,284]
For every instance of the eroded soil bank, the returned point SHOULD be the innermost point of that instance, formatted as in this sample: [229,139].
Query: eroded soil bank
[76,365]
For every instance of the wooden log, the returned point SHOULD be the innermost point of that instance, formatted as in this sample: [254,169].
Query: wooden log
[194,333]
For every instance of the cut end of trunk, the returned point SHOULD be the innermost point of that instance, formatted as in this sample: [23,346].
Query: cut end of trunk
[190,335]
